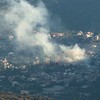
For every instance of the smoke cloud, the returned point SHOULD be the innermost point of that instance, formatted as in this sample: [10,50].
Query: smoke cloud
[71,54]
[29,24]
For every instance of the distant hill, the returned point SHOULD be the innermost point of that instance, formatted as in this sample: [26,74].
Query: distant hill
[76,14]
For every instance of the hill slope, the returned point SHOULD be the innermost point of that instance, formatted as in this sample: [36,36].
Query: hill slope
[76,14]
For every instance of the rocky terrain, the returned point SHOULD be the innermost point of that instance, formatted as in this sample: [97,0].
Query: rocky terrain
[11,96]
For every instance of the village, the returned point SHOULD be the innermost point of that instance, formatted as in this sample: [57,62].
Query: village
[25,75]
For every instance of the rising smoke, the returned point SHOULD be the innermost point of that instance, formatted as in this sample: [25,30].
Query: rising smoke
[29,24]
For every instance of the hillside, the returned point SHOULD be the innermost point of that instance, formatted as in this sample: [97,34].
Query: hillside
[11,96]
[76,14]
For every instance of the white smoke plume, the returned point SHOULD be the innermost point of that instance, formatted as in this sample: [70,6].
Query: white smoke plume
[30,25]
[71,54]
[25,20]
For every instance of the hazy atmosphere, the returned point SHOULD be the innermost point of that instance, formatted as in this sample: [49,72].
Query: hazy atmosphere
[49,50]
